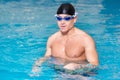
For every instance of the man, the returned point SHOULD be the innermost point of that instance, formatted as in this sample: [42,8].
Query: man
[69,43]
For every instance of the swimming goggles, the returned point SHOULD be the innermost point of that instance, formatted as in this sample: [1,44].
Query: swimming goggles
[67,18]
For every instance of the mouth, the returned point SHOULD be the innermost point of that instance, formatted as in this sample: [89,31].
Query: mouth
[62,26]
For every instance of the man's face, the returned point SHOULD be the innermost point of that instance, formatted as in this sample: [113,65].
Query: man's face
[65,22]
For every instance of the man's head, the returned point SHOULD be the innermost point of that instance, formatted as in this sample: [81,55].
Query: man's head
[66,17]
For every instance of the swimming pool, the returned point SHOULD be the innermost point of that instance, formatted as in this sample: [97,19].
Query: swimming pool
[25,26]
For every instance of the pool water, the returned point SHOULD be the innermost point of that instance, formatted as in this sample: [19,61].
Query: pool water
[25,26]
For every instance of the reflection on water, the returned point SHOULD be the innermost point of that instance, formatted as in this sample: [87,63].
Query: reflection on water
[26,24]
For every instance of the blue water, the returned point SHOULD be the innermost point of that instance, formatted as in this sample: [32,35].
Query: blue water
[25,26]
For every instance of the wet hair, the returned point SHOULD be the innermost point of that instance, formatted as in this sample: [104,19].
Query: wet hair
[66,8]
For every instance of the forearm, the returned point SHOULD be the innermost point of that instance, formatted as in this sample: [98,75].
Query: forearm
[40,61]
[89,65]
[74,66]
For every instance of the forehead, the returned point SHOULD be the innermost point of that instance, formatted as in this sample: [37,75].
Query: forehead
[63,15]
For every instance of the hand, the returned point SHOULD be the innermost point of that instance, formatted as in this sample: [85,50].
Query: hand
[36,69]
[72,66]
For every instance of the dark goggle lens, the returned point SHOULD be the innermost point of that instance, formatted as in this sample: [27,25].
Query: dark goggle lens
[59,18]
[65,18]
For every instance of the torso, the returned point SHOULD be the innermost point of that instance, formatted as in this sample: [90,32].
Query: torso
[70,48]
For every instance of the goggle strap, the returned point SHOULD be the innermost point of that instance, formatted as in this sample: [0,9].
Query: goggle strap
[72,15]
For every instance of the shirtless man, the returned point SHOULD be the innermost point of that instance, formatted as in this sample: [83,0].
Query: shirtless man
[70,43]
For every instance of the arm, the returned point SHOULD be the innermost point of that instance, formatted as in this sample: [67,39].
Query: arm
[41,60]
[90,51]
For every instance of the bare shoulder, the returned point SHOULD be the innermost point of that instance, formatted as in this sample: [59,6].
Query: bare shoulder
[52,37]
[86,37]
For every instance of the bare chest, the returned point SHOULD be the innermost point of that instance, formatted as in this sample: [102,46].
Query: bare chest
[69,48]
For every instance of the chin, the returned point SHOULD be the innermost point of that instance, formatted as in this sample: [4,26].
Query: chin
[64,32]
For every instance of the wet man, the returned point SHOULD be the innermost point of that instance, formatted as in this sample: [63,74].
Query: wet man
[69,44]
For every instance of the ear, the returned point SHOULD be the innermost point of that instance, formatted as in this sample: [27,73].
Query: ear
[75,19]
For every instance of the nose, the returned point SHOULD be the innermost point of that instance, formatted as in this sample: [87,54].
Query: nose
[62,21]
